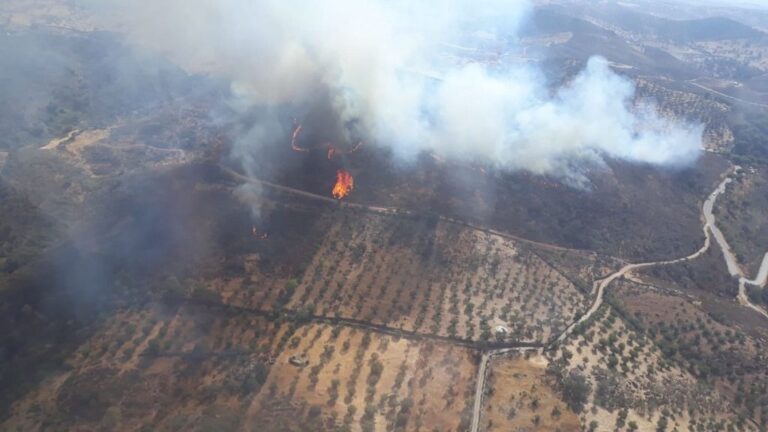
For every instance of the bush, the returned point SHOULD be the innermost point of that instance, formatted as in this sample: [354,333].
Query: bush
[576,390]
[376,369]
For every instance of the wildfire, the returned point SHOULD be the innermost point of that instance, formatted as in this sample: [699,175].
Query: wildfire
[295,138]
[332,151]
[344,184]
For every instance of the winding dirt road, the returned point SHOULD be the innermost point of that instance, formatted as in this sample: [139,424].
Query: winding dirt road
[710,230]
[599,286]
[727,96]
[732,262]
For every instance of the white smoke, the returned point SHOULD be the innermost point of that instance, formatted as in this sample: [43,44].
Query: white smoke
[383,66]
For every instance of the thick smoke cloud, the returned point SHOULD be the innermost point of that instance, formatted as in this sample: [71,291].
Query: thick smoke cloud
[386,71]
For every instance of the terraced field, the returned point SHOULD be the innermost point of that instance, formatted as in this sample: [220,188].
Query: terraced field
[208,368]
[423,276]
[631,381]
[704,342]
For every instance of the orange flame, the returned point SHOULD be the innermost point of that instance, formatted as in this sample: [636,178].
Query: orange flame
[344,184]
[295,137]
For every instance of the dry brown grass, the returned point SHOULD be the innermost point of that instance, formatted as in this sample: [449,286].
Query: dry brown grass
[420,384]
[193,368]
[440,279]
[637,375]
[710,346]
[519,397]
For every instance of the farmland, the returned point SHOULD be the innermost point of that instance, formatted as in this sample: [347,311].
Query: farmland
[436,277]
[196,368]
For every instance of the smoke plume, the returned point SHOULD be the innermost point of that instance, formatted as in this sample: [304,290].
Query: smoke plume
[396,73]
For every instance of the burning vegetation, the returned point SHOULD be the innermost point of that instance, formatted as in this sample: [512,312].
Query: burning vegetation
[295,137]
[344,181]
[332,149]
[344,184]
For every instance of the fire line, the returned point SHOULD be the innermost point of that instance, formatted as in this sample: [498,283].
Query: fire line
[294,138]
[344,184]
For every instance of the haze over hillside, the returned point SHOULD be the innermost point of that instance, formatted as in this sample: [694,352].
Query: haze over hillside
[383,216]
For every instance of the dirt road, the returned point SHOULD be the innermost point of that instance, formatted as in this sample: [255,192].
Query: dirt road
[384,210]
[730,258]
[727,96]
[599,286]
[482,376]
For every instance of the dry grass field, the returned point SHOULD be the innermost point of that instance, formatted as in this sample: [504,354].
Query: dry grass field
[166,265]
[520,396]
[707,343]
[208,368]
[420,275]
[632,382]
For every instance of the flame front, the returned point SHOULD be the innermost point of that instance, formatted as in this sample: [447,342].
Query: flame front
[295,137]
[332,151]
[344,184]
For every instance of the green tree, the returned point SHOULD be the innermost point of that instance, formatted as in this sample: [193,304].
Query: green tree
[661,426]
[576,390]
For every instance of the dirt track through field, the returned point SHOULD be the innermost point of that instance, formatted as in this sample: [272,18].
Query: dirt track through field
[599,286]
[732,262]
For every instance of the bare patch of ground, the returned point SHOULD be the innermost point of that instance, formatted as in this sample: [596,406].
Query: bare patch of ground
[520,397]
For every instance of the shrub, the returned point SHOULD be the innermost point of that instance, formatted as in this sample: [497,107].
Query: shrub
[576,390]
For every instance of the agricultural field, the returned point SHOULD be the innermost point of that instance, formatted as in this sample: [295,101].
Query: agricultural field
[166,367]
[420,275]
[437,277]
[520,396]
[175,254]
[691,107]
[368,381]
[582,268]
[616,376]
[708,343]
